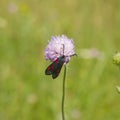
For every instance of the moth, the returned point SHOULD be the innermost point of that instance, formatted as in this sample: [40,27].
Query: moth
[55,67]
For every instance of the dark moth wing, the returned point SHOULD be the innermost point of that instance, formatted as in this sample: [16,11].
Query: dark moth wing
[55,68]
[49,69]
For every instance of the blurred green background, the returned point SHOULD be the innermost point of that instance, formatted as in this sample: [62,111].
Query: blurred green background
[25,28]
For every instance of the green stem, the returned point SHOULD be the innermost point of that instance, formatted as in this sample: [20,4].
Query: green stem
[63,94]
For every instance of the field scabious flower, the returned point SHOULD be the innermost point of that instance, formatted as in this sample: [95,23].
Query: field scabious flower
[59,50]
[59,46]
[118,89]
[116,59]
[13,8]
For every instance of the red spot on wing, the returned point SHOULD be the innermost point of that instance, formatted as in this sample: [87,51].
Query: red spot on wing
[48,68]
[51,67]
[56,61]
[57,71]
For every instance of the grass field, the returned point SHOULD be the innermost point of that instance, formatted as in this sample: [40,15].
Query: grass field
[25,29]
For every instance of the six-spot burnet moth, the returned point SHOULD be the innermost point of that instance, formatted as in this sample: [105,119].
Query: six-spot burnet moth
[55,67]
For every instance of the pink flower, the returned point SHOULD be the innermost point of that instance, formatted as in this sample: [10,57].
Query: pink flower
[59,46]
[12,8]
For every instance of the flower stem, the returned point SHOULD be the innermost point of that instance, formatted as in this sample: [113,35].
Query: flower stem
[63,94]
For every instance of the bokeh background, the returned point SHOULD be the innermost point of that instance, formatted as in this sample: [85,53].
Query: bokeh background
[26,26]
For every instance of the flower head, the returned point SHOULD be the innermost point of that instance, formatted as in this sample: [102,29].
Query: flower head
[116,58]
[91,53]
[13,8]
[118,89]
[59,46]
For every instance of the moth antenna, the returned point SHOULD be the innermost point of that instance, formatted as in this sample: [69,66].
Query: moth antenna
[74,54]
[63,48]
